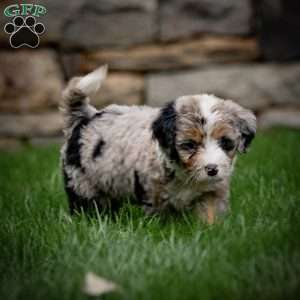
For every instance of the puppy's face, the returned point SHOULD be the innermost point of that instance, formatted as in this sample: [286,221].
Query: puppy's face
[203,134]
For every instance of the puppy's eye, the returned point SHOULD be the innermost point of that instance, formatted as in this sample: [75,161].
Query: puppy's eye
[227,144]
[188,145]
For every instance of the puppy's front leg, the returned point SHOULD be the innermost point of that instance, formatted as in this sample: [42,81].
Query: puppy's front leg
[211,205]
[206,209]
[211,210]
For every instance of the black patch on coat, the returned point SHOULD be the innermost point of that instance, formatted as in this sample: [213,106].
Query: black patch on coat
[139,191]
[73,157]
[98,149]
[164,130]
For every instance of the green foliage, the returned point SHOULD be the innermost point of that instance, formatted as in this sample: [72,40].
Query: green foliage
[253,254]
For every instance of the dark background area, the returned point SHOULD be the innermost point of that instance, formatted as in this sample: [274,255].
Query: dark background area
[156,50]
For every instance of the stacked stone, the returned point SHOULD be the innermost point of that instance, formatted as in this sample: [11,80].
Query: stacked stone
[156,51]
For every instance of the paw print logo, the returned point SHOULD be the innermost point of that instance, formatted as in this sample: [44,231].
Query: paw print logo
[24,32]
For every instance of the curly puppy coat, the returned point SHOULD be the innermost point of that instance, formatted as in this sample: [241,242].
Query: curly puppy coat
[177,157]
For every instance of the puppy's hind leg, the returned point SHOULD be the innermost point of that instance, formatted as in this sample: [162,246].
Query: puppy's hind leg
[78,203]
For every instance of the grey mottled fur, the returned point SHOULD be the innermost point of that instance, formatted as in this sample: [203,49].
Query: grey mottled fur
[129,151]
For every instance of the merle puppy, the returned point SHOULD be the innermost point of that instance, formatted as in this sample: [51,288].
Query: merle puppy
[178,157]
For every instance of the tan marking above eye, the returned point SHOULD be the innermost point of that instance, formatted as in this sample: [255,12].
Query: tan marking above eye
[194,134]
[221,130]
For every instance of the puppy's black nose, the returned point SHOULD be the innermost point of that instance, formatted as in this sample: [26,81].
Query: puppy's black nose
[211,169]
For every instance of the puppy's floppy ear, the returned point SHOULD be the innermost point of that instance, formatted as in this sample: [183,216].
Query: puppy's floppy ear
[164,129]
[246,122]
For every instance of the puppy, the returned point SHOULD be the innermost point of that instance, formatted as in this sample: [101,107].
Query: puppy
[178,157]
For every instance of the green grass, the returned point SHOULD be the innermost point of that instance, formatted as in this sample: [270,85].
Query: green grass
[253,254]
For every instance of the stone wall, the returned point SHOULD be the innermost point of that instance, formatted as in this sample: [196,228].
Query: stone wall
[156,50]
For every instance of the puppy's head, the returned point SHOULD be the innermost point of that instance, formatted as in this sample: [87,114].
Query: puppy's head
[203,133]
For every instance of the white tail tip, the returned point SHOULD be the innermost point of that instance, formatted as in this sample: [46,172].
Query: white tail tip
[91,83]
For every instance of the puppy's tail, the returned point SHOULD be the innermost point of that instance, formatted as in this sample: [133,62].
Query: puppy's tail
[75,104]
